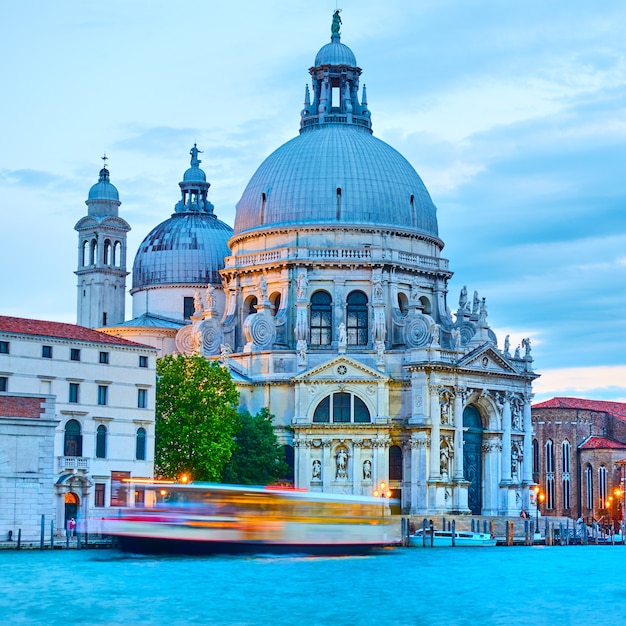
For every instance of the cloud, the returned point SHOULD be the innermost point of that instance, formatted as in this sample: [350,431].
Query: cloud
[598,382]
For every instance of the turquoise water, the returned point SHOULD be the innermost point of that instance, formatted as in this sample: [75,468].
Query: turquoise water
[530,585]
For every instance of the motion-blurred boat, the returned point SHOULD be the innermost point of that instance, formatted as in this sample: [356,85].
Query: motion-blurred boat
[206,519]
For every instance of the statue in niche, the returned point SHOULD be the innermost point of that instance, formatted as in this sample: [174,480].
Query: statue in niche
[367,469]
[210,297]
[316,474]
[302,282]
[334,29]
[342,463]
[444,461]
[507,345]
[463,299]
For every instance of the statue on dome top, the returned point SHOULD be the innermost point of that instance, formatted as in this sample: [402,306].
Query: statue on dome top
[195,161]
[334,29]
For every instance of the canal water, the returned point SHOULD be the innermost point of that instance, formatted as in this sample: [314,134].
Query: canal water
[455,586]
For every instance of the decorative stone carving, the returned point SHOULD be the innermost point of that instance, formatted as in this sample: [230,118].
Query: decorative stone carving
[507,345]
[517,413]
[434,331]
[302,283]
[526,346]
[463,305]
[446,403]
[197,303]
[446,454]
[455,339]
[259,330]
[416,332]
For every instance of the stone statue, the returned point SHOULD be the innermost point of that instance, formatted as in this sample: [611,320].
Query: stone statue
[343,335]
[210,297]
[262,285]
[225,351]
[526,345]
[195,161]
[444,460]
[367,469]
[334,29]
[342,463]
[507,345]
[475,304]
[380,350]
[301,348]
[197,302]
[434,333]
[302,283]
[463,299]
[317,470]
[517,356]
[455,338]
[482,317]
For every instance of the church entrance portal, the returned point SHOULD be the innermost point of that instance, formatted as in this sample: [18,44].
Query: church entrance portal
[472,458]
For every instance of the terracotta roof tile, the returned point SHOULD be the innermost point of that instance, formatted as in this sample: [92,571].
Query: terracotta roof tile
[601,443]
[618,409]
[60,330]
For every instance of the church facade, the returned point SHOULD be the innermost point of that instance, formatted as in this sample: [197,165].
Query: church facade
[330,307]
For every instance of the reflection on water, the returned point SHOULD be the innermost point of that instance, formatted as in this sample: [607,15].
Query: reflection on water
[557,585]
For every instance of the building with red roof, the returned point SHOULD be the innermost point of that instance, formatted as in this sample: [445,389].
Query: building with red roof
[579,447]
[76,419]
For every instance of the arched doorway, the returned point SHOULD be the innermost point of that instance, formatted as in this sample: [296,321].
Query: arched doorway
[72,502]
[472,458]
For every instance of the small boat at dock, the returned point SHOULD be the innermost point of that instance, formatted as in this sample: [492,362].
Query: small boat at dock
[443,539]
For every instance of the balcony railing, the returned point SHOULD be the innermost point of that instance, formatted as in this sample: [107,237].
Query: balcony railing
[73,463]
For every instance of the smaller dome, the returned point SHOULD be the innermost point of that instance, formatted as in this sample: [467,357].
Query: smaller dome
[335,53]
[103,189]
[194,175]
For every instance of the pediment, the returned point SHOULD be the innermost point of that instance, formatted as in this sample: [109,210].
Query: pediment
[487,359]
[341,367]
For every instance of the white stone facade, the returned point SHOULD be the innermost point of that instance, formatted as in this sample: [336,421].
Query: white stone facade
[104,393]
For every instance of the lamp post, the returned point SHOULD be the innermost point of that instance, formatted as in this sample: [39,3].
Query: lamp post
[539,497]
[383,493]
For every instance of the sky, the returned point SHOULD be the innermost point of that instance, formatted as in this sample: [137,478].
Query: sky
[513,114]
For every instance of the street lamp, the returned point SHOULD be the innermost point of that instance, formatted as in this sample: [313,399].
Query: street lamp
[539,497]
[383,493]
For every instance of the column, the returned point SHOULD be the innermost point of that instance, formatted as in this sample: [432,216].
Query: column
[506,438]
[435,430]
[527,465]
[357,468]
[458,434]
[328,467]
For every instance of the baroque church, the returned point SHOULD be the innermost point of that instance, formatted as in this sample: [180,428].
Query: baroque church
[328,303]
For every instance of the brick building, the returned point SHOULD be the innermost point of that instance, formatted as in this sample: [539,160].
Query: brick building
[579,450]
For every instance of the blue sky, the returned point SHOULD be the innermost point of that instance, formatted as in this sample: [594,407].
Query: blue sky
[513,114]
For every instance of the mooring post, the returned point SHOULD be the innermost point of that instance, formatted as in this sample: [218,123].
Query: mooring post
[453,531]
[432,533]
[43,528]
[67,537]
[51,534]
[19,538]
[424,527]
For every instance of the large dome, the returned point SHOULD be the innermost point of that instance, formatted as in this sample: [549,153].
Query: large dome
[187,249]
[336,174]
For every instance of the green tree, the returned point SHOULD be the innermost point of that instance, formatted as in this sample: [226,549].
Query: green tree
[196,418]
[258,458]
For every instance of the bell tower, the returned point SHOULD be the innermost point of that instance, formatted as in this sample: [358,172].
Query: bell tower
[101,257]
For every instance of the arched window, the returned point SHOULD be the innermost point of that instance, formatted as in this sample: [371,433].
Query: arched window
[549,456]
[85,254]
[107,252]
[275,301]
[140,447]
[101,442]
[73,442]
[395,463]
[602,485]
[566,452]
[342,408]
[117,254]
[93,252]
[357,315]
[589,487]
[403,304]
[321,323]
[251,305]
